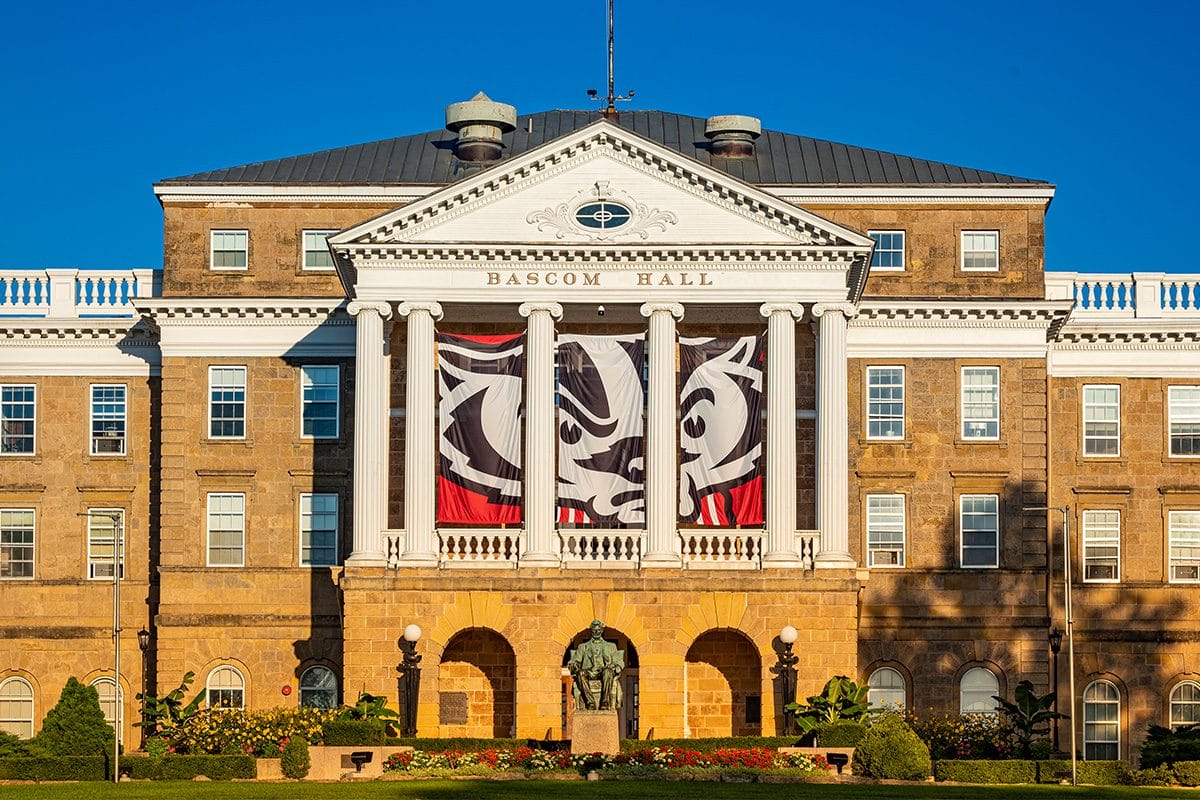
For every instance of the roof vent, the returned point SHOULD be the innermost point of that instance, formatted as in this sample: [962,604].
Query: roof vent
[732,135]
[479,123]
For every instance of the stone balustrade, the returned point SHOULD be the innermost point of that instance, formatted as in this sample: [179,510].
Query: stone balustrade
[73,293]
[1134,295]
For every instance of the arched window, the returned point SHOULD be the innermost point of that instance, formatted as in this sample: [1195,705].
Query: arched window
[226,688]
[318,688]
[16,707]
[1101,722]
[886,689]
[977,691]
[109,704]
[1185,704]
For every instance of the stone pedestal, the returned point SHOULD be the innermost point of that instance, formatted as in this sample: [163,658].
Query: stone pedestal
[595,732]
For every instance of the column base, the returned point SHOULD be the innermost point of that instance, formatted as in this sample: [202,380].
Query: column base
[547,560]
[834,561]
[419,560]
[661,561]
[366,560]
[782,561]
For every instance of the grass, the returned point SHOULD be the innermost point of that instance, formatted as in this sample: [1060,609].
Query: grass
[565,790]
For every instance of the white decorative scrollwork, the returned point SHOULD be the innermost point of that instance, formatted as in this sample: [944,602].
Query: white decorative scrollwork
[564,221]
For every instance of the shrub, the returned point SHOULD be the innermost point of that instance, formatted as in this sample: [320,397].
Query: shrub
[1029,716]
[985,771]
[464,744]
[890,750]
[1187,773]
[15,747]
[714,743]
[353,732]
[219,768]
[1100,773]
[1165,746]
[54,768]
[164,715]
[76,726]
[257,733]
[156,746]
[962,735]
[840,734]
[841,700]
[1041,749]
[295,762]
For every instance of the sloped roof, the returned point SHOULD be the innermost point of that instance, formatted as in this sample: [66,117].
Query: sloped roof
[780,158]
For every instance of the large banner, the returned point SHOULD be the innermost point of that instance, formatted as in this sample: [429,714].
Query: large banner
[720,431]
[601,472]
[479,463]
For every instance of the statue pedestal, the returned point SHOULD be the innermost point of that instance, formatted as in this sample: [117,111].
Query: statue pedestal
[595,732]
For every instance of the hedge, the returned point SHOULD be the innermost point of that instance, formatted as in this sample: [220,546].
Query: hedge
[470,745]
[1100,773]
[985,771]
[708,745]
[219,768]
[839,734]
[98,768]
[54,768]
[353,733]
[1187,773]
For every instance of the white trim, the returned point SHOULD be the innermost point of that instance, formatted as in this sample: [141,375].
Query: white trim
[867,517]
[304,251]
[34,451]
[337,401]
[208,431]
[32,699]
[1193,418]
[1104,702]
[91,436]
[1107,541]
[1171,702]
[337,530]
[122,544]
[1083,420]
[903,403]
[212,249]
[962,539]
[995,680]
[118,706]
[208,512]
[962,404]
[34,528]
[209,688]
[962,250]
[903,250]
[1193,540]
[903,688]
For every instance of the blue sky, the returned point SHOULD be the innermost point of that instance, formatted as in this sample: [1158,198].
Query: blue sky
[101,100]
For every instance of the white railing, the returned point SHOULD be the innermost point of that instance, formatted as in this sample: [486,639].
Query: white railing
[722,548]
[72,293]
[808,544]
[479,547]
[601,548]
[1141,295]
[393,545]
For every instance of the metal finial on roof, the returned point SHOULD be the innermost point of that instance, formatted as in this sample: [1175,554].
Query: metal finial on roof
[610,110]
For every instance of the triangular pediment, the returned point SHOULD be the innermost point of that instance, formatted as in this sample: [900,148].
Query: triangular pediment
[601,185]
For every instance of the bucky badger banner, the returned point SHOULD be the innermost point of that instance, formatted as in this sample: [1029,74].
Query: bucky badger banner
[720,431]
[601,473]
[479,463]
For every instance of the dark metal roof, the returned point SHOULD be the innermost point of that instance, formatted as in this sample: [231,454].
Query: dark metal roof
[780,158]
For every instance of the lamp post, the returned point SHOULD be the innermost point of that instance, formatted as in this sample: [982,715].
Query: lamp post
[1055,636]
[786,670]
[143,639]
[410,669]
[1069,614]
[116,517]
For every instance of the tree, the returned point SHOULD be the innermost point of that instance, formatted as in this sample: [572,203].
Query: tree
[1030,715]
[76,726]
[163,715]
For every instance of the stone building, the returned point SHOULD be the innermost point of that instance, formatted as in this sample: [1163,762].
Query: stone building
[260,422]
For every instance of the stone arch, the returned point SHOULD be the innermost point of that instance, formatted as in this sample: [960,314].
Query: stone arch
[723,685]
[628,716]
[477,682]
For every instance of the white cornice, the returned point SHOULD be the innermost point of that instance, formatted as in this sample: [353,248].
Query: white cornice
[953,329]
[1040,314]
[613,257]
[271,311]
[84,347]
[916,195]
[279,327]
[293,193]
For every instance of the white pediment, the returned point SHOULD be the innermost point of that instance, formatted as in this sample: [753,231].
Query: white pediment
[601,185]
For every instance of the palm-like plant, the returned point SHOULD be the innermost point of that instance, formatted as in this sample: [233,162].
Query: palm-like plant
[842,700]
[163,715]
[1030,715]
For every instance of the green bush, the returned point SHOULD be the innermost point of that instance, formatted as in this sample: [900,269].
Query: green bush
[353,732]
[465,744]
[1187,773]
[840,734]
[890,750]
[295,763]
[1099,773]
[257,733]
[15,747]
[716,743]
[965,770]
[219,768]
[98,768]
[76,726]
[1166,746]
[1041,749]
[142,768]
[971,736]
[55,768]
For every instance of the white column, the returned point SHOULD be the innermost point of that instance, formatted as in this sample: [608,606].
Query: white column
[662,438]
[540,548]
[420,436]
[781,433]
[832,436]
[370,432]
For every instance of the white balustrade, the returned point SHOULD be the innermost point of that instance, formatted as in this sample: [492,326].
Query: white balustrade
[479,547]
[601,548]
[808,544]
[67,293]
[393,545]
[24,291]
[722,548]
[1142,295]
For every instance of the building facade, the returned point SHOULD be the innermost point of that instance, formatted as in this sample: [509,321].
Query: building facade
[269,424]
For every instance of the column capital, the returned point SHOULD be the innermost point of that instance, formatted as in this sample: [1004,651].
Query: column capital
[769,309]
[848,310]
[674,309]
[553,309]
[356,307]
[434,309]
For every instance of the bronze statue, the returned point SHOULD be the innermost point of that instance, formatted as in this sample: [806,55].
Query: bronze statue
[595,666]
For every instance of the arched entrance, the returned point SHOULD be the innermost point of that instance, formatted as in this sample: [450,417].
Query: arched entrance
[723,685]
[627,714]
[477,679]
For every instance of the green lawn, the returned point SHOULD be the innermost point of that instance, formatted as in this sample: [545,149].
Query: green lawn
[566,790]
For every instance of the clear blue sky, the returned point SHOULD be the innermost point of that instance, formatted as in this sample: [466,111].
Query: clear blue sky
[102,99]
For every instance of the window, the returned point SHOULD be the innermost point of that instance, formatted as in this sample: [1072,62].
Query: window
[1183,411]
[108,420]
[885,530]
[981,251]
[226,688]
[226,530]
[1185,704]
[319,400]
[227,402]
[889,250]
[103,524]
[318,530]
[1183,531]
[230,249]
[318,688]
[1101,722]
[17,418]
[981,403]
[885,689]
[977,691]
[16,707]
[316,252]
[16,542]
[1101,420]
[885,402]
[980,525]
[111,703]
[1102,546]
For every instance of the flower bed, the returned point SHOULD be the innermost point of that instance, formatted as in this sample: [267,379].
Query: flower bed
[254,733]
[526,759]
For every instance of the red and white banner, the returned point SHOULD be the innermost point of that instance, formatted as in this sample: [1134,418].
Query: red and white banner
[720,431]
[601,473]
[479,446]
